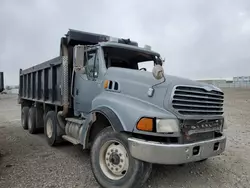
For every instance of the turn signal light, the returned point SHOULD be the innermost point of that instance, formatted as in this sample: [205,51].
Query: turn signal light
[106,84]
[145,124]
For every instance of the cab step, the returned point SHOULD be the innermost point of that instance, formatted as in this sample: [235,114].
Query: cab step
[71,139]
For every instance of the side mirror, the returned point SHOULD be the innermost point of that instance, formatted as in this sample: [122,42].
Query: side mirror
[78,58]
[158,72]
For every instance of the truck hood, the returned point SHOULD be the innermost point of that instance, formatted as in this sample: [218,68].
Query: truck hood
[136,84]
[145,77]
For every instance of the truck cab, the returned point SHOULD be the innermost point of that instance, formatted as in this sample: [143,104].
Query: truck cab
[98,61]
[102,95]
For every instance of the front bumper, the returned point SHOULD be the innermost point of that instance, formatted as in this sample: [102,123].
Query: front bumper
[156,152]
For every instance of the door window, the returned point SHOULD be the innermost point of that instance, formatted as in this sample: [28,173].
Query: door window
[92,64]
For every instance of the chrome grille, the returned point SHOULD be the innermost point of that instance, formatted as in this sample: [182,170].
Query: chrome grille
[197,101]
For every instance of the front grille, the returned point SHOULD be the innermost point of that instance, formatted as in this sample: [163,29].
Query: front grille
[197,101]
[198,137]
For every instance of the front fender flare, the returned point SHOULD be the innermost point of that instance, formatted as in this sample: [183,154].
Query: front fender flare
[91,118]
[111,116]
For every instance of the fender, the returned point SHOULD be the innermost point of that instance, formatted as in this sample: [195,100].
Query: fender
[91,118]
[111,116]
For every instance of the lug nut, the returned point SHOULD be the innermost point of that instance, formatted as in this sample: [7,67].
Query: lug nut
[116,169]
[121,160]
[120,154]
[116,150]
[120,166]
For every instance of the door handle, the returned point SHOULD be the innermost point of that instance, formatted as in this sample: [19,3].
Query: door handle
[77,91]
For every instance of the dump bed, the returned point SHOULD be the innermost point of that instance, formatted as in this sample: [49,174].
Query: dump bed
[48,82]
[42,82]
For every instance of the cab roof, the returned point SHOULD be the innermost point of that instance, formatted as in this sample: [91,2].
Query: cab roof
[128,47]
[75,37]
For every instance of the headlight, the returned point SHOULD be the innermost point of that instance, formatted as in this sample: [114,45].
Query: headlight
[167,125]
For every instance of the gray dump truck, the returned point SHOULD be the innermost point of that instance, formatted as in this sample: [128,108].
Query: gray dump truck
[97,93]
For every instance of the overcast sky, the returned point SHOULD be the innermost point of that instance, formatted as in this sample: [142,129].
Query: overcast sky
[199,39]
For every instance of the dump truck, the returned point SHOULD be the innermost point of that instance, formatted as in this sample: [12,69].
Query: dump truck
[99,94]
[1,82]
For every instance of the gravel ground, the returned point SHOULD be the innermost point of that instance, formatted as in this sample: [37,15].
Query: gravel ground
[27,161]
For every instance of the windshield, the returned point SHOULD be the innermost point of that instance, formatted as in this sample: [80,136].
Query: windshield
[127,58]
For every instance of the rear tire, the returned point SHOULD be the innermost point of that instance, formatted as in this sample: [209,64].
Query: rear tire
[24,117]
[50,128]
[112,171]
[32,121]
[40,119]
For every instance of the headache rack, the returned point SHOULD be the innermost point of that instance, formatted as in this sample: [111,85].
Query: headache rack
[188,100]
[75,37]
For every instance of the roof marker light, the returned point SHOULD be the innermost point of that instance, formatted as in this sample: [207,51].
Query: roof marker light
[113,39]
[147,47]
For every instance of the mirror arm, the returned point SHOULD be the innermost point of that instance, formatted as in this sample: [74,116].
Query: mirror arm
[164,79]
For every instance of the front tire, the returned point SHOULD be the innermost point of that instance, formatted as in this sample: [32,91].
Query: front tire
[112,164]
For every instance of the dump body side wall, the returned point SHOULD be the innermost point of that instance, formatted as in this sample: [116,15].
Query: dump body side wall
[42,83]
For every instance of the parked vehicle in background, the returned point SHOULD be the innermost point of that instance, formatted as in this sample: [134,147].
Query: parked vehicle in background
[1,82]
[95,94]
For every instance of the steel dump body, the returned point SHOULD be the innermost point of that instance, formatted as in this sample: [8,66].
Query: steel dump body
[42,82]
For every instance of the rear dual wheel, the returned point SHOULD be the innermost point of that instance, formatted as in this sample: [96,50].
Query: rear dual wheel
[31,119]
[50,129]
[24,117]
[112,164]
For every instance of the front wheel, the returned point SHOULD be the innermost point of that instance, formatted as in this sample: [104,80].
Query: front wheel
[112,164]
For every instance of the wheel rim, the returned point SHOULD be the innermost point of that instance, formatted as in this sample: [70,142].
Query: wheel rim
[113,160]
[49,128]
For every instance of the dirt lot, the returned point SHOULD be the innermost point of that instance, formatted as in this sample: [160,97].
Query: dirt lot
[27,161]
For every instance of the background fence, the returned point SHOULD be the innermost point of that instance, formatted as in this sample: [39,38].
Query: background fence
[233,85]
[235,82]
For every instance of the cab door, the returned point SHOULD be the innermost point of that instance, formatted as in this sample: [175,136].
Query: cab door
[87,84]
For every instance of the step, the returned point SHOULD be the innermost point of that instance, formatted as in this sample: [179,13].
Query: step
[71,139]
